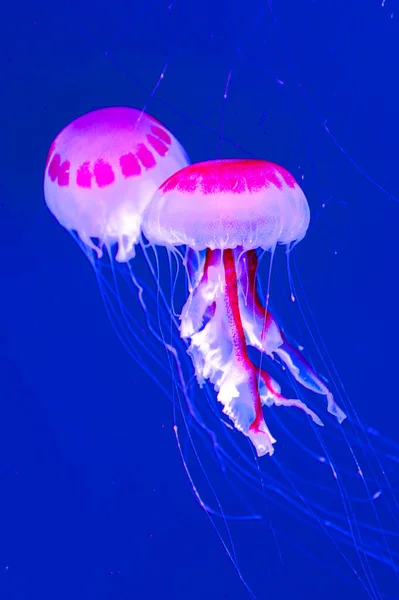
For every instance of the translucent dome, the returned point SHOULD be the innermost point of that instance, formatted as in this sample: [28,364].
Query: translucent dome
[102,170]
[228,203]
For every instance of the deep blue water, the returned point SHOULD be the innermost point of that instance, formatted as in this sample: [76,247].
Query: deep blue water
[94,499]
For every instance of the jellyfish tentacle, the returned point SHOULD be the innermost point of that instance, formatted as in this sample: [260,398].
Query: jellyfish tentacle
[211,321]
[264,333]
[249,396]
[272,396]
[223,210]
[306,376]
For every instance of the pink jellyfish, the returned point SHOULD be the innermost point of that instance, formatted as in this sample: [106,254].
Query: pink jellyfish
[102,170]
[229,208]
[100,174]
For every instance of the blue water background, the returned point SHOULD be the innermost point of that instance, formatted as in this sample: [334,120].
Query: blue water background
[94,501]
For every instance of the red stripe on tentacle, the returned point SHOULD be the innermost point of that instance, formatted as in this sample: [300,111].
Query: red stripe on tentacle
[268,319]
[238,334]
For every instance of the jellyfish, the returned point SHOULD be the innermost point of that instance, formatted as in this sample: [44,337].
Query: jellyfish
[102,170]
[225,210]
[116,172]
[100,174]
[221,217]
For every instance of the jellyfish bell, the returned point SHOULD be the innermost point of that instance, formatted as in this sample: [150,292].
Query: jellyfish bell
[223,211]
[229,208]
[102,170]
[227,204]
[100,174]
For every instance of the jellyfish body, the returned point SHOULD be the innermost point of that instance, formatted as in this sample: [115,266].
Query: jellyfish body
[101,171]
[229,208]
[100,174]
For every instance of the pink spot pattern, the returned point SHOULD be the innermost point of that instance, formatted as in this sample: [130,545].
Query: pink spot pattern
[63,173]
[130,166]
[101,171]
[59,171]
[145,156]
[161,134]
[84,175]
[230,176]
[158,145]
[54,167]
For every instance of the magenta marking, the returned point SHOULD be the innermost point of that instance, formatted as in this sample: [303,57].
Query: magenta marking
[230,176]
[188,185]
[289,180]
[157,144]
[54,167]
[145,156]
[162,134]
[130,166]
[84,175]
[63,173]
[103,173]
